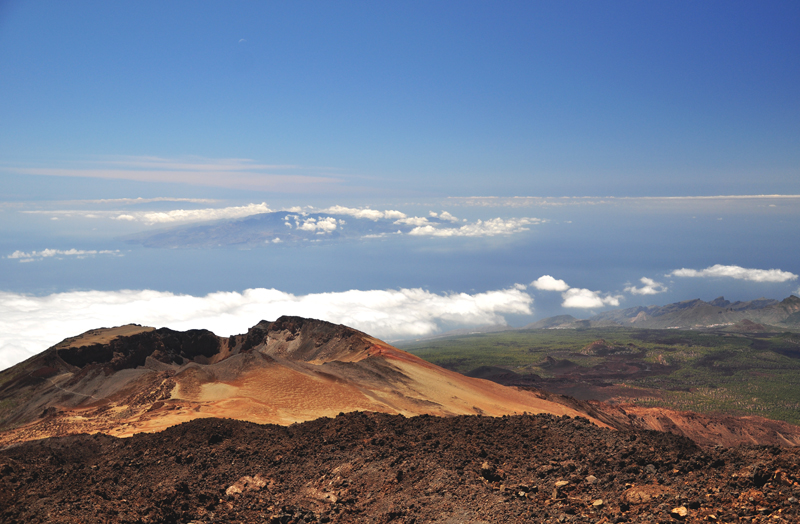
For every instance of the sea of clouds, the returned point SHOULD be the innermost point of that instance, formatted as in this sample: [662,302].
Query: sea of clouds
[30,324]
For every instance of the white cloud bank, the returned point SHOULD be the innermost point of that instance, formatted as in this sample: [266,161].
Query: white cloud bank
[371,214]
[29,325]
[650,287]
[196,215]
[31,256]
[736,272]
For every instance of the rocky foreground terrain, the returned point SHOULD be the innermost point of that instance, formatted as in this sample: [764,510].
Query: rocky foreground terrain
[370,467]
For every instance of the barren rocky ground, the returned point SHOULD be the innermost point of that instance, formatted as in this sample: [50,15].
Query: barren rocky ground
[368,467]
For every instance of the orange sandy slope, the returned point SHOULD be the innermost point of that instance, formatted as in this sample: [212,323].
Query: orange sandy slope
[268,389]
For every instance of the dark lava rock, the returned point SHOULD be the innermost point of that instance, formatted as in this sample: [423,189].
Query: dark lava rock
[366,467]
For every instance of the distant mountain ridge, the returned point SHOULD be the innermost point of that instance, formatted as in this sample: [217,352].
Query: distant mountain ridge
[275,228]
[762,314]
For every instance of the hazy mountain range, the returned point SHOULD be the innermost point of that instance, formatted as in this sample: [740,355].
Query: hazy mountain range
[284,227]
[755,315]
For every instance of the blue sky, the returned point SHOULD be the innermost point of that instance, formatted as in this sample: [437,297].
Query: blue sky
[545,98]
[411,107]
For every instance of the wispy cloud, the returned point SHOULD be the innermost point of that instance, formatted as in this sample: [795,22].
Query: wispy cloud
[229,172]
[32,256]
[650,287]
[140,200]
[736,272]
[480,228]
[530,201]
[191,163]
[524,201]
[30,324]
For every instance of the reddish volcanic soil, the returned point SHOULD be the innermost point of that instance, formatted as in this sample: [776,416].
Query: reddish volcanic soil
[132,379]
[367,467]
[707,430]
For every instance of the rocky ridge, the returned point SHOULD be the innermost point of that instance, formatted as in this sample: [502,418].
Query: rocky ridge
[132,379]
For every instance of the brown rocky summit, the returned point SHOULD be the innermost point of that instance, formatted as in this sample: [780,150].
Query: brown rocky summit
[133,379]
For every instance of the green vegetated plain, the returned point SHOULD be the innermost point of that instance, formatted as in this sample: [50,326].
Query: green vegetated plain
[707,372]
